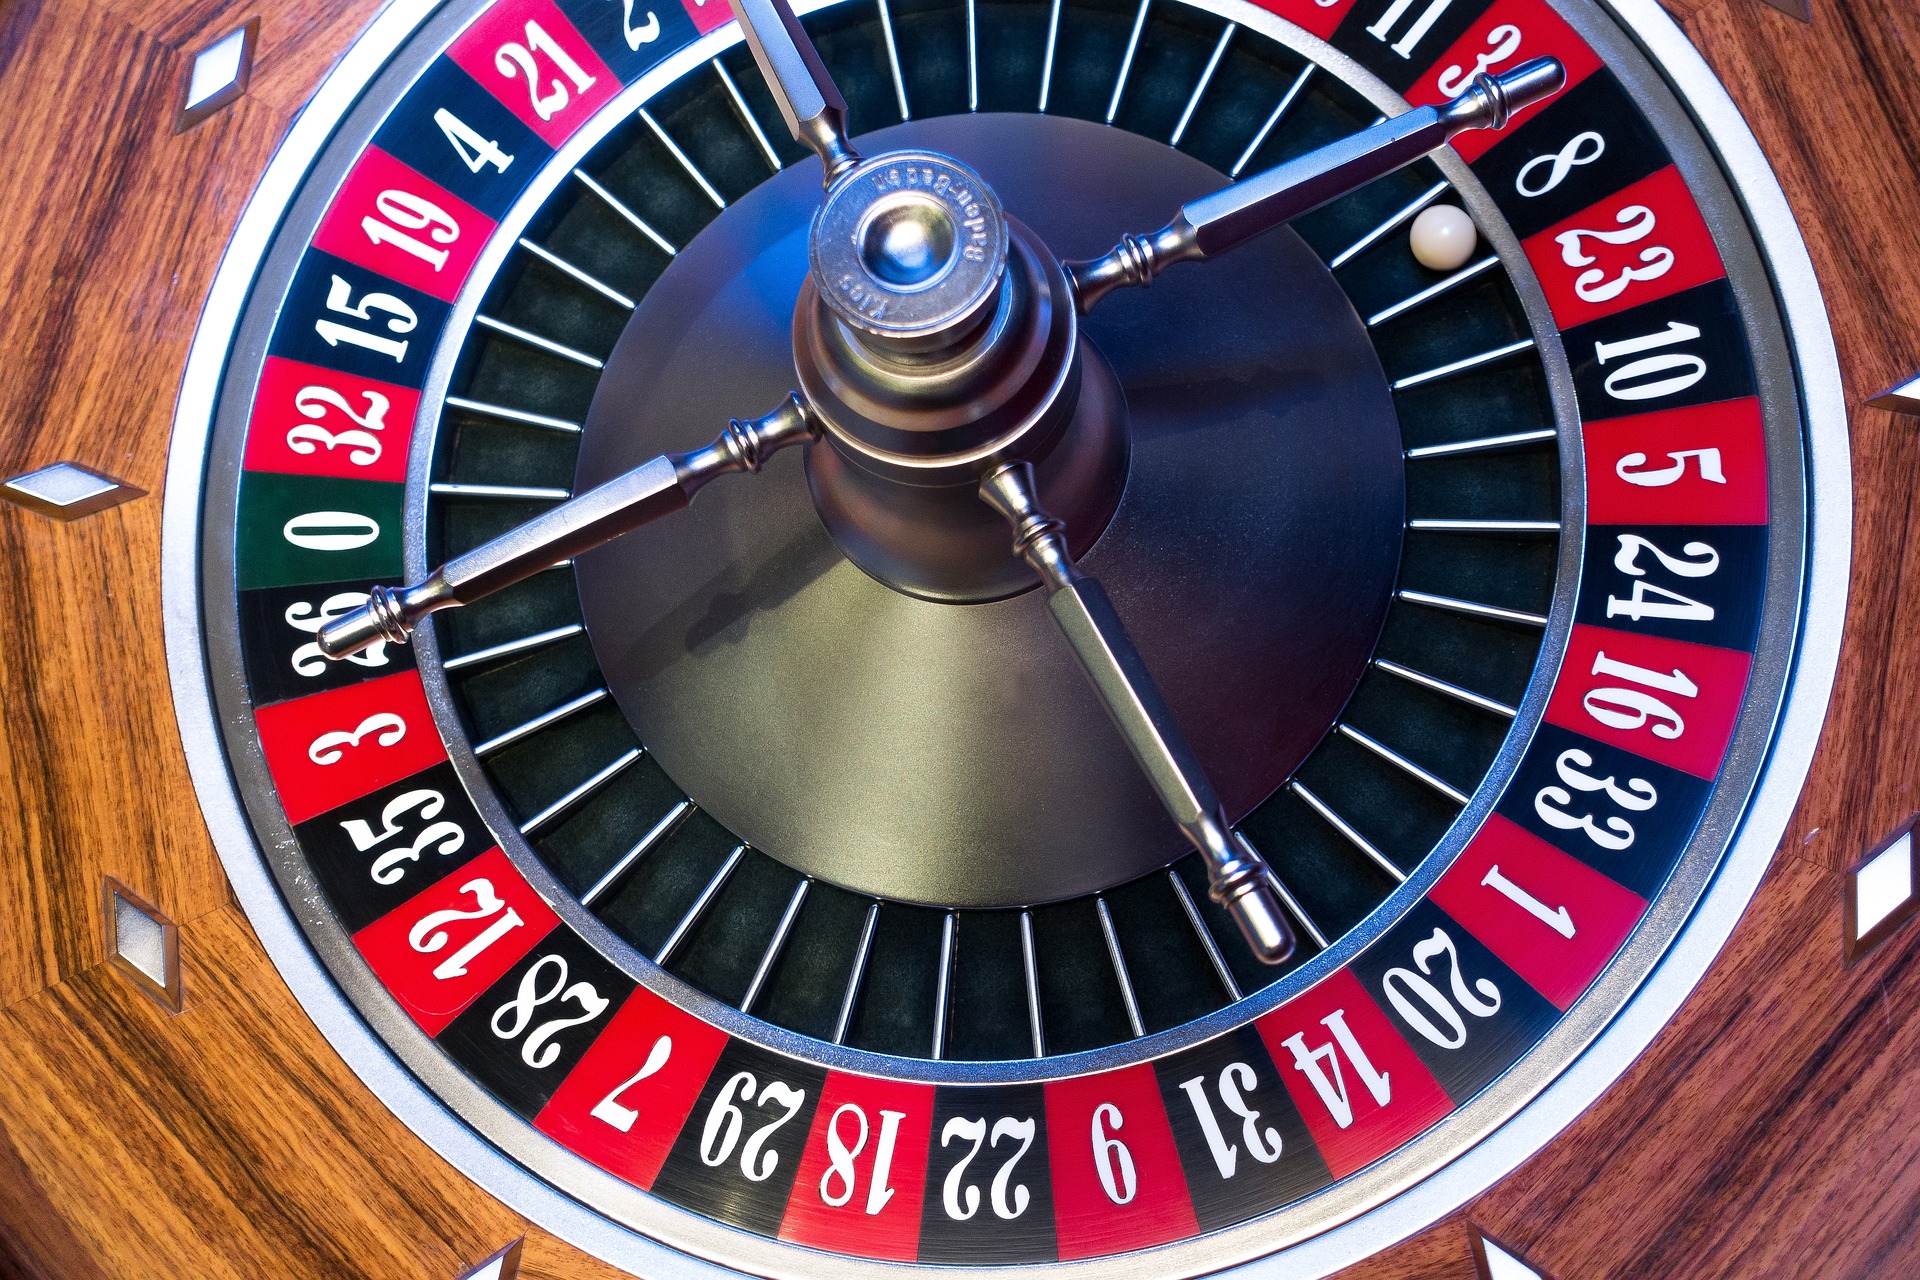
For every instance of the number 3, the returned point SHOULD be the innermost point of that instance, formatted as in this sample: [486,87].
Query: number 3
[1504,42]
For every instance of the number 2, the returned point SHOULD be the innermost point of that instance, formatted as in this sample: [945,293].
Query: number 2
[646,33]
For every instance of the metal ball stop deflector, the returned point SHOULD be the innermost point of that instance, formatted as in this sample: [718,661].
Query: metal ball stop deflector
[937,346]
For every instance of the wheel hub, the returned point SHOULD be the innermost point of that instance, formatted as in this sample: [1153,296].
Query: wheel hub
[917,751]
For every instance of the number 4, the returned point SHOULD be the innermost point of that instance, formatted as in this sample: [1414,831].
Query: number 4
[476,151]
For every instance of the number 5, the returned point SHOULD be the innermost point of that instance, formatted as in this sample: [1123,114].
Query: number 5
[1709,460]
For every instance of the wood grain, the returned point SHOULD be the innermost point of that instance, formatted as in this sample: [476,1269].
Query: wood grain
[228,1141]
[1769,1131]
[1766,1133]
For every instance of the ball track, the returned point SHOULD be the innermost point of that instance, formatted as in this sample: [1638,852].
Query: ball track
[1421,731]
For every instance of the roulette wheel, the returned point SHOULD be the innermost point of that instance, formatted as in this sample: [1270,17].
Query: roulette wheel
[1276,744]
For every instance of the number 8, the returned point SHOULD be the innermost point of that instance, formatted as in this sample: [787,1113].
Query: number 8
[1563,162]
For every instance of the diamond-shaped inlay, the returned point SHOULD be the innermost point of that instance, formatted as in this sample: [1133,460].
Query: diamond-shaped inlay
[1879,893]
[1904,398]
[67,491]
[504,1265]
[1801,9]
[217,75]
[1495,1261]
[142,944]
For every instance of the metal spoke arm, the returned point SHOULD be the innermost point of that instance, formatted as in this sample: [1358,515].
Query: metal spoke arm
[1237,878]
[652,490]
[806,95]
[1216,223]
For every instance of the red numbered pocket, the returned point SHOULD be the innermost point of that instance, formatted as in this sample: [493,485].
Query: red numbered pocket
[1637,246]
[311,421]
[333,747]
[436,954]
[862,1177]
[389,219]
[1668,700]
[1117,1181]
[529,56]
[1510,33]
[624,1105]
[1702,465]
[1550,917]
[1359,1086]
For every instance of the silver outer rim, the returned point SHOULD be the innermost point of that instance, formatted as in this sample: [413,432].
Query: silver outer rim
[1535,1122]
[1803,710]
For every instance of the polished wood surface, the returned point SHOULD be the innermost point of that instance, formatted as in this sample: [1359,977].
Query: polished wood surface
[1769,1131]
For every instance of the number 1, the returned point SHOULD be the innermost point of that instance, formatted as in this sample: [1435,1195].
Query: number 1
[1558,919]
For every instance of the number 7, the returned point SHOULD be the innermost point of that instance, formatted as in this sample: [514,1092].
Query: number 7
[609,1108]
